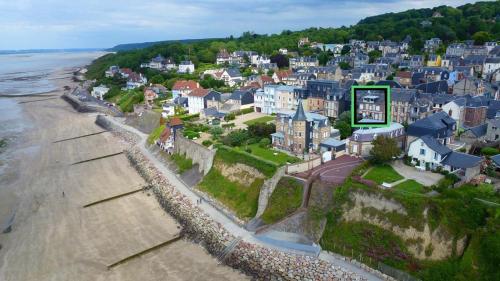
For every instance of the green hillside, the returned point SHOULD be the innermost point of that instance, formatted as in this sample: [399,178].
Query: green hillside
[479,21]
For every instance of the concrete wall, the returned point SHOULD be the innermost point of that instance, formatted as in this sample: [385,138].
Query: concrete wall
[304,166]
[85,107]
[267,189]
[200,155]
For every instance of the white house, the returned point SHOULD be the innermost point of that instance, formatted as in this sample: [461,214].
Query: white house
[168,109]
[258,60]
[197,99]
[491,64]
[426,150]
[186,67]
[283,51]
[99,92]
[455,109]
[428,153]
[231,76]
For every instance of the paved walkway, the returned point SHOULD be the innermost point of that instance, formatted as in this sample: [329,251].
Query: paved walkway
[423,177]
[217,216]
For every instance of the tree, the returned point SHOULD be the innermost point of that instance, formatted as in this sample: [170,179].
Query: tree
[346,49]
[261,130]
[481,37]
[157,79]
[344,65]
[216,132]
[384,149]
[265,142]
[280,60]
[236,138]
[373,55]
[323,58]
[343,124]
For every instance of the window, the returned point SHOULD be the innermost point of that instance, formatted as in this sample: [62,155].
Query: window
[422,151]
[435,156]
[496,137]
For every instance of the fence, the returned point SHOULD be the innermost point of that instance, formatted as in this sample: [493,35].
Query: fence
[304,166]
[352,254]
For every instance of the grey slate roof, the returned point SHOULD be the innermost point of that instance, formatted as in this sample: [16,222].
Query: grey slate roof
[233,72]
[438,125]
[433,144]
[461,160]
[478,131]
[496,159]
[391,83]
[300,115]
[433,87]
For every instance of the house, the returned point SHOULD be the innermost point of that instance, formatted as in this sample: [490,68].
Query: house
[231,76]
[167,136]
[149,97]
[182,88]
[490,45]
[99,92]
[416,61]
[475,111]
[211,114]
[279,76]
[491,65]
[112,70]
[360,143]
[434,87]
[434,60]
[403,78]
[222,57]
[402,102]
[371,107]
[467,86]
[449,61]
[429,153]
[456,49]
[432,45]
[493,130]
[303,62]
[258,60]
[239,99]
[455,109]
[303,41]
[286,98]
[300,131]
[197,99]
[168,109]
[135,80]
[475,61]
[186,67]
[360,59]
[475,51]
[331,147]
[283,51]
[471,135]
[438,125]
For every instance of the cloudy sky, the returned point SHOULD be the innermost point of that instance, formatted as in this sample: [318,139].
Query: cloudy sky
[29,24]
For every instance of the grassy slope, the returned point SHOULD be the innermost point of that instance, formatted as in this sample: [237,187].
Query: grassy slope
[243,200]
[383,173]
[285,199]
[155,134]
[455,210]
[182,162]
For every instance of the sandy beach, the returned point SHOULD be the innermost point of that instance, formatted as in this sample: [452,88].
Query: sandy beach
[53,237]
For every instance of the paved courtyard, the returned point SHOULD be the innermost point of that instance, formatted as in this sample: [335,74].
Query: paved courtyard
[239,122]
[423,177]
[334,171]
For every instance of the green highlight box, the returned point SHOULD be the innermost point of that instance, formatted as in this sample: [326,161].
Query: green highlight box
[387,95]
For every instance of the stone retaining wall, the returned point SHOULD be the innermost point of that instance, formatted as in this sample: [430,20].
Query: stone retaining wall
[103,122]
[260,262]
[200,155]
[81,106]
[267,189]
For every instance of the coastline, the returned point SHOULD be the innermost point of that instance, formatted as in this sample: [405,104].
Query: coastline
[54,238]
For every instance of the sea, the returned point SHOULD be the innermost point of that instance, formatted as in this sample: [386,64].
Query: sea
[27,73]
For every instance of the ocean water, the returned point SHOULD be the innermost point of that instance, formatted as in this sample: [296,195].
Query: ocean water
[28,73]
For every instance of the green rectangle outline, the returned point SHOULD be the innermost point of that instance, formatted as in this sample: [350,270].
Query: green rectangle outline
[388,106]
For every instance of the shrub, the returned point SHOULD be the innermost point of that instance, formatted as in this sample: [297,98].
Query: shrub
[261,130]
[248,150]
[235,138]
[489,151]
[264,142]
[207,143]
[229,117]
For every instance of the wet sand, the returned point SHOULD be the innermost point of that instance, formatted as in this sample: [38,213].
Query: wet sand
[54,238]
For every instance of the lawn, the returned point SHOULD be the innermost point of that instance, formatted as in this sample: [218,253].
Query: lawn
[286,198]
[243,200]
[182,162]
[269,154]
[383,173]
[263,119]
[410,186]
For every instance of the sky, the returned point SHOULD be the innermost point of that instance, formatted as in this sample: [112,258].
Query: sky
[62,24]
